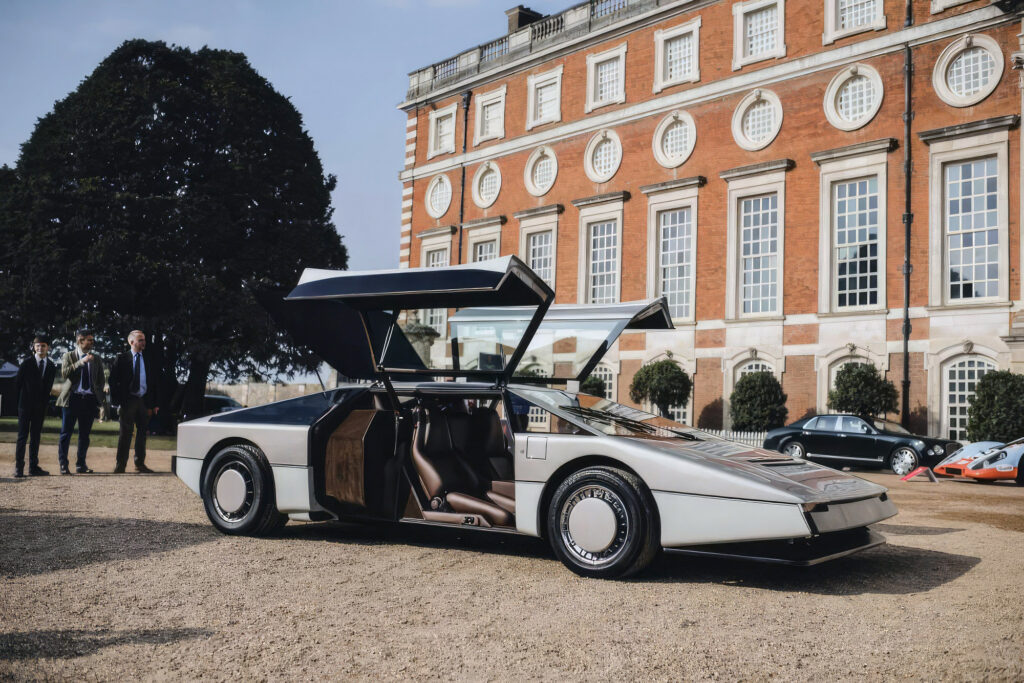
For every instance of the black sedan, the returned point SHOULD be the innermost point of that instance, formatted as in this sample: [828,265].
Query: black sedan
[848,440]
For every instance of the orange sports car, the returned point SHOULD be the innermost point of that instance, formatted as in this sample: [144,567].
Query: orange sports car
[1004,463]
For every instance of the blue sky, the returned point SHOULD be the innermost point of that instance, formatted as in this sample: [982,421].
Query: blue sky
[344,65]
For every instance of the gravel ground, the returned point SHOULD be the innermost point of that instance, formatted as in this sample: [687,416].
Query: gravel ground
[112,576]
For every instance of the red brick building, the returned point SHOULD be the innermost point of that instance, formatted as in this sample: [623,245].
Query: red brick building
[748,160]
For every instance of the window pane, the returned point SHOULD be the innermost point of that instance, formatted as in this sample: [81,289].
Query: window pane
[606,374]
[675,240]
[608,84]
[759,120]
[753,366]
[547,101]
[855,98]
[440,196]
[970,71]
[854,13]
[855,242]
[961,380]
[488,188]
[972,234]
[760,29]
[678,57]
[485,251]
[445,131]
[543,172]
[675,141]
[539,255]
[604,266]
[491,115]
[606,156]
[435,317]
[759,245]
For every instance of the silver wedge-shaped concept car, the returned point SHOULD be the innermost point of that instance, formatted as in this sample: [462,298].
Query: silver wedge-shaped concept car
[509,446]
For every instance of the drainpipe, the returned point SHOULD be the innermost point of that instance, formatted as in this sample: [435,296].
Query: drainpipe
[462,186]
[908,216]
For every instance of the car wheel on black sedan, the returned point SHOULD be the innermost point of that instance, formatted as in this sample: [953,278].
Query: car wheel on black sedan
[795,449]
[602,523]
[903,461]
[238,492]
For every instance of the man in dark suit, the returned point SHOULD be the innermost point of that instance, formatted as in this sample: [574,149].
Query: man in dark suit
[34,382]
[80,399]
[134,386]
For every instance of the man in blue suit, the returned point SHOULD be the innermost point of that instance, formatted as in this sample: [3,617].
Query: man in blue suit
[34,383]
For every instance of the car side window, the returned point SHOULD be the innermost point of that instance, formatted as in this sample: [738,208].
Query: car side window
[827,423]
[811,424]
[856,425]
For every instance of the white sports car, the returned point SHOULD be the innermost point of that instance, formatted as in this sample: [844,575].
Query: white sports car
[607,485]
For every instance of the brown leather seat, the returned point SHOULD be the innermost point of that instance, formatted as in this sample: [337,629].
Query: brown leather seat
[446,477]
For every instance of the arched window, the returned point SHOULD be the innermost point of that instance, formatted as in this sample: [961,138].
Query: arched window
[961,377]
[752,366]
[834,369]
[608,376]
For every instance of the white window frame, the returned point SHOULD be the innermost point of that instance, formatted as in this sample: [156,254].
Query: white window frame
[942,152]
[588,156]
[440,178]
[535,81]
[832,94]
[751,98]
[739,38]
[534,157]
[661,38]
[496,96]
[730,373]
[659,134]
[479,200]
[950,53]
[544,223]
[833,32]
[840,170]
[611,386]
[658,203]
[598,213]
[485,233]
[434,149]
[945,367]
[740,189]
[618,52]
[427,245]
[943,5]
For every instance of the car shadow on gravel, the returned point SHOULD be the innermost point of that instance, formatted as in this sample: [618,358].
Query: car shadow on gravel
[887,570]
[65,644]
[34,543]
[914,530]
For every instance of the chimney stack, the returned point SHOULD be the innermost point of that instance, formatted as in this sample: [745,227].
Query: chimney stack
[520,16]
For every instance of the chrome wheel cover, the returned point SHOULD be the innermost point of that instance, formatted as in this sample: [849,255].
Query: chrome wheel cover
[233,492]
[794,450]
[903,461]
[594,500]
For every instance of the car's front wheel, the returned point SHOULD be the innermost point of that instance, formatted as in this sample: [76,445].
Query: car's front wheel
[795,449]
[602,523]
[238,492]
[903,461]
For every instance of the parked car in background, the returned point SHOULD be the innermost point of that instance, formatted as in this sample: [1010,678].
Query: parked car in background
[997,464]
[955,464]
[851,441]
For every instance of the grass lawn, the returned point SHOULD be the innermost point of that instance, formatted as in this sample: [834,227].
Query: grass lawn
[104,434]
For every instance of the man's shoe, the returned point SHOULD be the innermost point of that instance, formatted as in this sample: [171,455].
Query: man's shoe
[83,470]
[37,472]
[64,469]
[18,474]
[142,469]
[119,469]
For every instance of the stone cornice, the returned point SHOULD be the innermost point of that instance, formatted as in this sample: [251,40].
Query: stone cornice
[992,125]
[693,181]
[622,196]
[757,169]
[434,232]
[859,149]
[539,211]
[484,222]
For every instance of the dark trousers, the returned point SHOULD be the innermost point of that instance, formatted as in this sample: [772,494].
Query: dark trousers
[132,416]
[30,424]
[82,409]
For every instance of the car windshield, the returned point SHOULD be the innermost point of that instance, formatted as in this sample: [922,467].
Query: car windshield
[887,426]
[610,417]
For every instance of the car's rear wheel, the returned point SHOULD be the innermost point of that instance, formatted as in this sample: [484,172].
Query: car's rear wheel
[795,449]
[602,523]
[238,492]
[903,461]
[1020,473]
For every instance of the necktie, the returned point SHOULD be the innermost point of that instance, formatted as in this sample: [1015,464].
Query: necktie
[136,377]
[86,379]
[42,366]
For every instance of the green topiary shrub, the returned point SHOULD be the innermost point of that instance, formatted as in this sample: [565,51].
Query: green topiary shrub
[594,386]
[997,409]
[861,390]
[757,403]
[663,384]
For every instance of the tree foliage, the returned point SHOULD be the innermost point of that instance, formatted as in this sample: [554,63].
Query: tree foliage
[663,383]
[160,194]
[593,385]
[996,412]
[757,403]
[860,389]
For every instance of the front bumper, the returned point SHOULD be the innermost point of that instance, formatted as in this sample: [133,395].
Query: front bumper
[799,552]
[991,473]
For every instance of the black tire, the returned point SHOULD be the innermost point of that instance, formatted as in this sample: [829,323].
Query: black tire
[792,446]
[636,539]
[1020,473]
[257,515]
[903,460]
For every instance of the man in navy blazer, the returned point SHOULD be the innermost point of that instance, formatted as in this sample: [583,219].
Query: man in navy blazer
[135,388]
[34,383]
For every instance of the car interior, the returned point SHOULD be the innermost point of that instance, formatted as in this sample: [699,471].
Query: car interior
[462,460]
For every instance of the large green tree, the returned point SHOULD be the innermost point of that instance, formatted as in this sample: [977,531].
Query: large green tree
[160,194]
[860,389]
